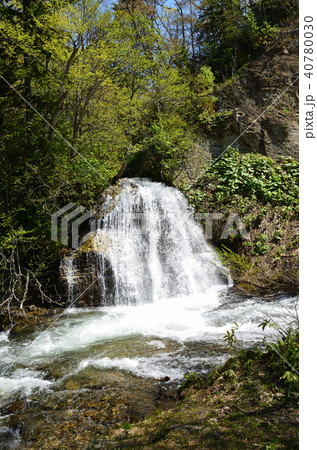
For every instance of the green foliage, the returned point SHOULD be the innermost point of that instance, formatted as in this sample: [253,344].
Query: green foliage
[169,141]
[275,365]
[230,32]
[270,447]
[286,371]
[260,246]
[236,178]
[112,85]
[278,365]
[279,252]
[237,263]
[225,34]
[105,81]
[275,12]
[229,375]
[230,336]
[203,99]
[278,234]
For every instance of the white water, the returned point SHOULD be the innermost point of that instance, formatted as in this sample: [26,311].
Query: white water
[168,337]
[148,240]
[168,312]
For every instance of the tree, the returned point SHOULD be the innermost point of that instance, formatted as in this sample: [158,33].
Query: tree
[226,33]
[84,89]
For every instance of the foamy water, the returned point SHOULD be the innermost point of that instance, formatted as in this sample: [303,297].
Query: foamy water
[169,307]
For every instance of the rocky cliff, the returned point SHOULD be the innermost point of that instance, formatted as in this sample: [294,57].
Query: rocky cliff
[256,111]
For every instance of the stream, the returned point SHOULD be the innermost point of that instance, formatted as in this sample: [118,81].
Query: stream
[163,314]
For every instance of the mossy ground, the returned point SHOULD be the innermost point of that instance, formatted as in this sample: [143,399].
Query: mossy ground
[244,404]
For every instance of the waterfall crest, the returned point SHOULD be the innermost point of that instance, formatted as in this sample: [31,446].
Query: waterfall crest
[147,247]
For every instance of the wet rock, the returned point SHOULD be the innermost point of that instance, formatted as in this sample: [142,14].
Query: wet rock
[87,284]
[143,165]
[164,379]
[72,385]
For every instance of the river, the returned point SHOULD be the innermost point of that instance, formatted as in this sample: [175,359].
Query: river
[163,314]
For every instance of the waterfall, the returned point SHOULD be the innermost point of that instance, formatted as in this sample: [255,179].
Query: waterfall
[147,251]
[147,247]
[68,267]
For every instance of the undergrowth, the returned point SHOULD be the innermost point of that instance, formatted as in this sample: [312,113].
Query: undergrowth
[239,180]
[263,193]
[251,401]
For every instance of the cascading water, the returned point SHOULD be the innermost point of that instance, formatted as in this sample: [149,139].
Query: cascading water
[164,308]
[149,247]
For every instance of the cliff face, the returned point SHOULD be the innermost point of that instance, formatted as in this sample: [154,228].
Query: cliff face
[262,109]
[256,111]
